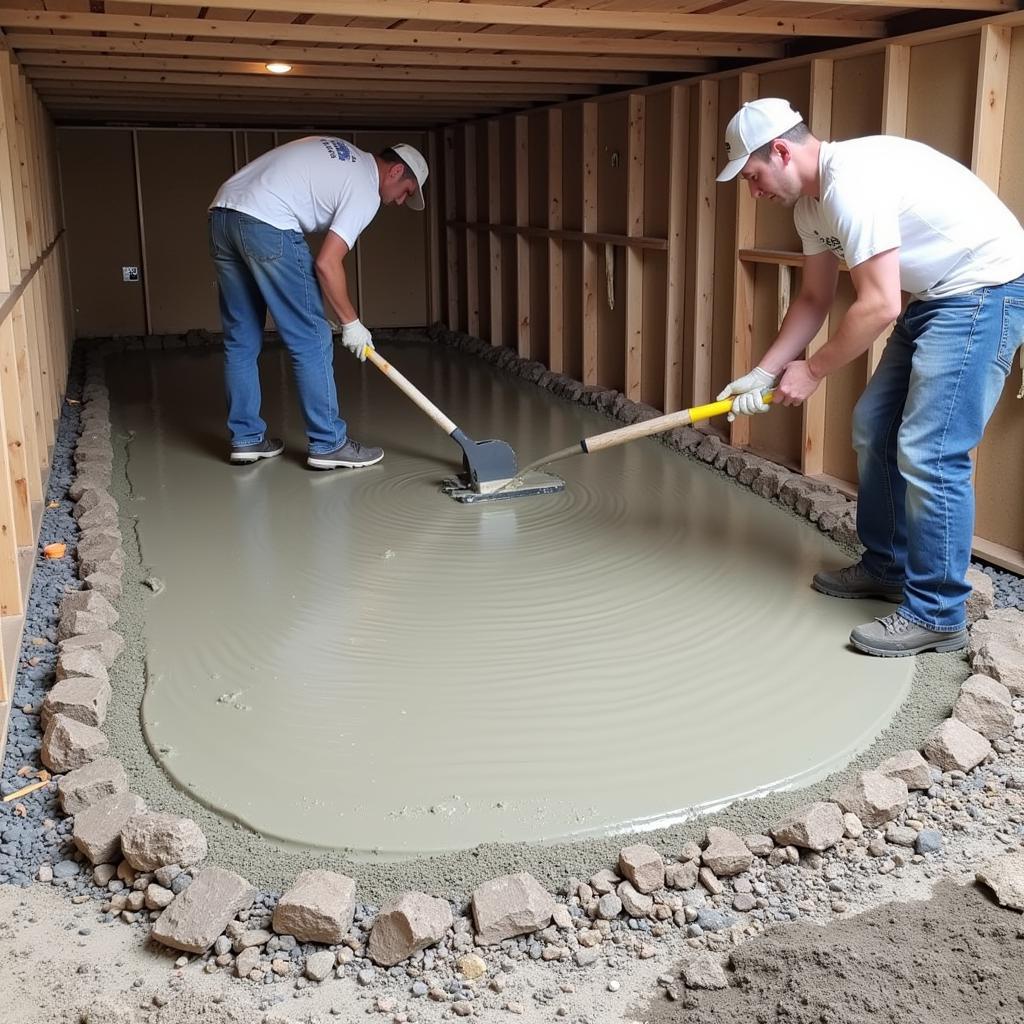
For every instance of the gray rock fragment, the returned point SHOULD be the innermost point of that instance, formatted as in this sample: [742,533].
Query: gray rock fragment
[726,854]
[909,766]
[85,786]
[82,699]
[200,913]
[954,746]
[91,602]
[106,642]
[643,866]
[510,905]
[705,972]
[407,924]
[984,705]
[317,908]
[97,829]
[817,826]
[1005,877]
[69,744]
[875,798]
[154,840]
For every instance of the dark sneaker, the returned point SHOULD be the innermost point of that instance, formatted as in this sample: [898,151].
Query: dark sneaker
[351,455]
[268,448]
[895,637]
[853,581]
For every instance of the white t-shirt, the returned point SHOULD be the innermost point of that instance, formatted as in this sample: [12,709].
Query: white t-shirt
[312,184]
[954,234]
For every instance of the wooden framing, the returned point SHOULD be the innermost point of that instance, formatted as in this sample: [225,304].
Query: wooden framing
[812,450]
[634,256]
[743,285]
[472,255]
[704,247]
[522,142]
[990,106]
[679,130]
[556,316]
[494,185]
[590,268]
[434,303]
[450,233]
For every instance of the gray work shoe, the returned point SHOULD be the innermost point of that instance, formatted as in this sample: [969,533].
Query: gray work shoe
[895,637]
[853,581]
[268,448]
[351,455]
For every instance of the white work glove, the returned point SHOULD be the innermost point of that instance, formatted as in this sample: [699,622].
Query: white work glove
[747,390]
[357,339]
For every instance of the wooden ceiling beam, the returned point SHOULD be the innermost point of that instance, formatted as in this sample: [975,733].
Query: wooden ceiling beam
[307,86]
[607,47]
[569,84]
[384,62]
[569,19]
[982,6]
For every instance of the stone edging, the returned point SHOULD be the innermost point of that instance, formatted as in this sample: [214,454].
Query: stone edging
[192,908]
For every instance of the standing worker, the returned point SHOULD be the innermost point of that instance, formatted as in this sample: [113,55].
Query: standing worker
[903,217]
[257,221]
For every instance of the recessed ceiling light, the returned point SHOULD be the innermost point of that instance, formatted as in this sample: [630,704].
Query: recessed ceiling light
[275,67]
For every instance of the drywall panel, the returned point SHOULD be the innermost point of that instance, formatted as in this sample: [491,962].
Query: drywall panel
[857,86]
[725,252]
[612,165]
[572,252]
[779,433]
[999,483]
[940,106]
[180,173]
[98,181]
[774,223]
[845,386]
[254,144]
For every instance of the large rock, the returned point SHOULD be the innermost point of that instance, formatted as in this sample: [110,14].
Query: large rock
[202,911]
[634,902]
[643,866]
[85,786]
[682,876]
[407,924]
[1005,877]
[875,798]
[91,602]
[318,908]
[1002,661]
[954,746]
[69,744]
[1004,624]
[704,972]
[105,642]
[105,583]
[81,663]
[909,766]
[818,826]
[726,853]
[152,841]
[85,700]
[982,596]
[79,623]
[984,705]
[510,905]
[97,831]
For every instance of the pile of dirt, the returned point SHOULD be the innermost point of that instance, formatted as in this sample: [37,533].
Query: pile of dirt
[952,959]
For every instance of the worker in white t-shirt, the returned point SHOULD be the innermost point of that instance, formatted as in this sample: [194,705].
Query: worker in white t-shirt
[903,217]
[257,222]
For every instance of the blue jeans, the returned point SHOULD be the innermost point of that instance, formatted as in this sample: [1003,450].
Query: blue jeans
[924,409]
[260,267]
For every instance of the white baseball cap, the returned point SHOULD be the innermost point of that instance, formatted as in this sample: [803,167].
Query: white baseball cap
[413,159]
[754,125]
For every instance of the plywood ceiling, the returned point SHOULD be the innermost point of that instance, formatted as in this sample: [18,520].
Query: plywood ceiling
[403,63]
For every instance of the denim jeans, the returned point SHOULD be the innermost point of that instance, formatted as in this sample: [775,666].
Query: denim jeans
[925,408]
[260,267]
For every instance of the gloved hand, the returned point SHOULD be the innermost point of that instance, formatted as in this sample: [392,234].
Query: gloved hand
[747,390]
[357,339]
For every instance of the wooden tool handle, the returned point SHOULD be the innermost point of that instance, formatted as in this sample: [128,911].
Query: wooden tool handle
[411,391]
[659,424]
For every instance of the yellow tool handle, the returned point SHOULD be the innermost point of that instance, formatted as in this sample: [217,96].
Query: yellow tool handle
[660,424]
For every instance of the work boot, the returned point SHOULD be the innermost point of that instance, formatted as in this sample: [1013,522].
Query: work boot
[895,637]
[268,448]
[351,455]
[853,581]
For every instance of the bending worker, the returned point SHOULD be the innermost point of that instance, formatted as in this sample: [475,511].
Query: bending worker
[257,222]
[903,217]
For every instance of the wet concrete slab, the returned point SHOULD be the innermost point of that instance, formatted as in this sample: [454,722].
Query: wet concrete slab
[353,660]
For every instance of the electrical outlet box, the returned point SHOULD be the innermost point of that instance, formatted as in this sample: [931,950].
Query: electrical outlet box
[129,274]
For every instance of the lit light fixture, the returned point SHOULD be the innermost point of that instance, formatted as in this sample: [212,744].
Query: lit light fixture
[276,67]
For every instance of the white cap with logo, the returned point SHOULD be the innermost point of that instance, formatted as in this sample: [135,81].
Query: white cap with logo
[754,125]
[413,159]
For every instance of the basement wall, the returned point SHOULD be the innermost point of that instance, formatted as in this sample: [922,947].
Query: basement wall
[647,276]
[137,197]
[34,345]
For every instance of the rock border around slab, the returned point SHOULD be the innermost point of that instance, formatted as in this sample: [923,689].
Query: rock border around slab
[713,894]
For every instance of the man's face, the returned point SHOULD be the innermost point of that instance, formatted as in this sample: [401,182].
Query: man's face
[395,187]
[773,179]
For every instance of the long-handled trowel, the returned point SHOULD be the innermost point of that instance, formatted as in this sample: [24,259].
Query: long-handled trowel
[658,425]
[490,467]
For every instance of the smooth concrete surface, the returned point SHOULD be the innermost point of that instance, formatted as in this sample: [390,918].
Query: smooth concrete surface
[350,659]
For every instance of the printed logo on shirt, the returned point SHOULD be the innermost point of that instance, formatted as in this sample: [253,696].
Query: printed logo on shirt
[338,150]
[832,242]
